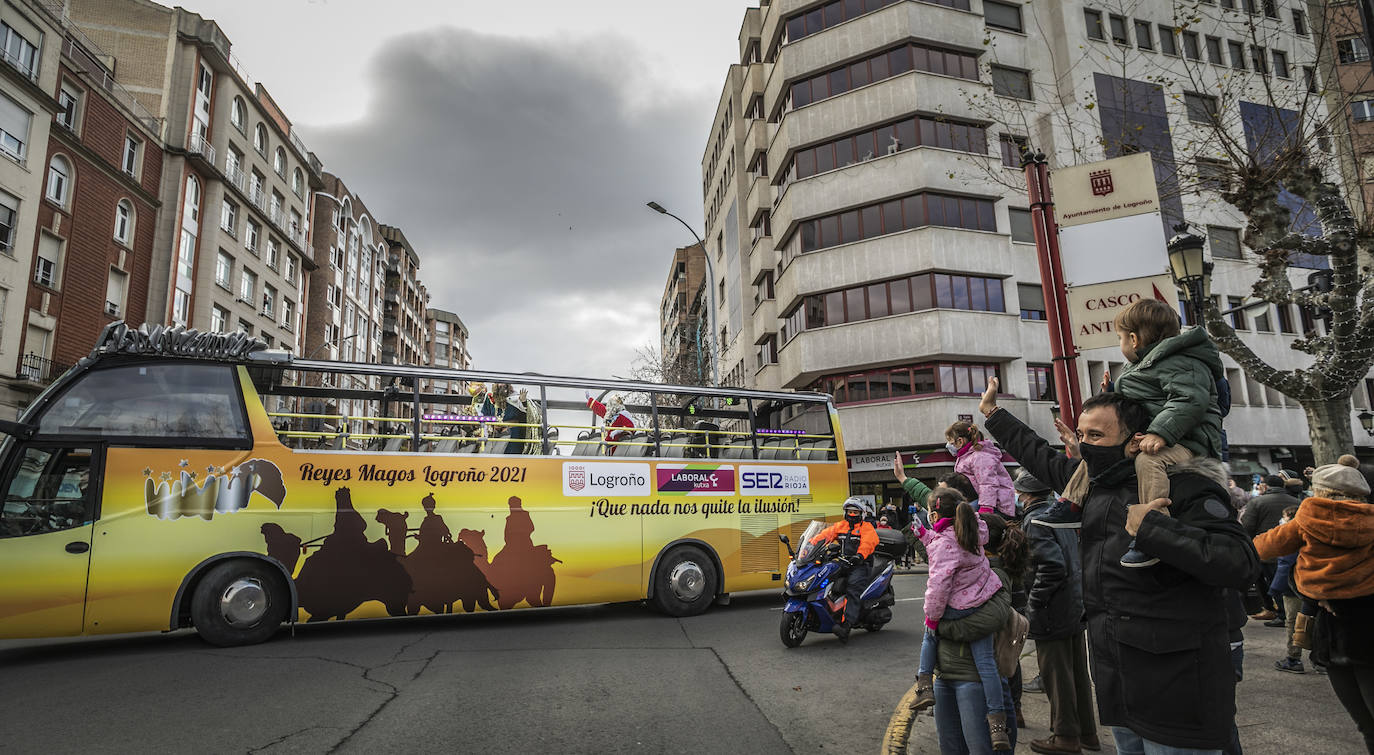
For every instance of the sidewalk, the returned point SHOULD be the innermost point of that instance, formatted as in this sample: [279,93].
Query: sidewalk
[1277,712]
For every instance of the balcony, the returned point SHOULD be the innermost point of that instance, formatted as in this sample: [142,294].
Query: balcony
[41,370]
[201,148]
[235,176]
[930,334]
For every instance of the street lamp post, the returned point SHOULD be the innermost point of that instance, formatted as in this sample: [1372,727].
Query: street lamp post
[710,290]
[1190,270]
[1366,421]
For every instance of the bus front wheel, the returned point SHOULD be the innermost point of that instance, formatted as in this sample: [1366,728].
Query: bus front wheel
[686,582]
[238,602]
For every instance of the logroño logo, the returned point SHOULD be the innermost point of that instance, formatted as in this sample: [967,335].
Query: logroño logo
[605,479]
[774,480]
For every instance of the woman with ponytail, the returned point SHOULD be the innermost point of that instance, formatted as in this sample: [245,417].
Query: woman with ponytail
[960,581]
[980,460]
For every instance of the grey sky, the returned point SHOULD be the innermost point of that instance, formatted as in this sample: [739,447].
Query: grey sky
[516,145]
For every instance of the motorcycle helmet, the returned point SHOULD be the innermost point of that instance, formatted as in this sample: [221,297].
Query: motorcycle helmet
[855,508]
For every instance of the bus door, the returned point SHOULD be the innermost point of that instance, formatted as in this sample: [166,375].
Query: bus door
[51,501]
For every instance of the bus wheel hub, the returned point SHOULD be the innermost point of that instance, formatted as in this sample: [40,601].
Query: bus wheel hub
[687,581]
[244,603]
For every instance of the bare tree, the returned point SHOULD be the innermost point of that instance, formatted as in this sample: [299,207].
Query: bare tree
[1232,105]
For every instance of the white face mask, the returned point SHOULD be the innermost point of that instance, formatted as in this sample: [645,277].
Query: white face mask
[953,449]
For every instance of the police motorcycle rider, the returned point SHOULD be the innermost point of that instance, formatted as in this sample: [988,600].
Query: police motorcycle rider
[857,539]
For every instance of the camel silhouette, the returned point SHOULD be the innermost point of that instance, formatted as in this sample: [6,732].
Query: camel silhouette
[396,531]
[348,571]
[442,572]
[522,570]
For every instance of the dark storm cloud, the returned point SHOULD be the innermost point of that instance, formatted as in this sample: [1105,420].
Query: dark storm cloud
[519,169]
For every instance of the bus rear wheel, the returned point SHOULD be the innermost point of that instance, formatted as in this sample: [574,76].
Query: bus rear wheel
[686,582]
[239,602]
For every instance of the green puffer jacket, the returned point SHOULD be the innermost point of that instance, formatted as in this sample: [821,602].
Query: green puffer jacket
[1177,381]
[955,662]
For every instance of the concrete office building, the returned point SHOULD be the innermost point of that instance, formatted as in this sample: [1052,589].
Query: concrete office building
[231,243]
[446,348]
[860,200]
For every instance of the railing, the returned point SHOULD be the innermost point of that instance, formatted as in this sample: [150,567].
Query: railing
[199,145]
[29,73]
[41,369]
[236,176]
[258,197]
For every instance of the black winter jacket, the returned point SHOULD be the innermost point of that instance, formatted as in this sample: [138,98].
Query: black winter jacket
[1055,596]
[1161,658]
[1264,511]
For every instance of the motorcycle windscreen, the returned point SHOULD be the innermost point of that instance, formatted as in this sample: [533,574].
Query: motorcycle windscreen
[808,550]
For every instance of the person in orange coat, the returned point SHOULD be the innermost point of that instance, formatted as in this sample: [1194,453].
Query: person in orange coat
[858,539]
[1333,535]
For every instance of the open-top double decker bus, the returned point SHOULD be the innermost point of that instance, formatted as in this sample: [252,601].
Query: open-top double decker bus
[176,479]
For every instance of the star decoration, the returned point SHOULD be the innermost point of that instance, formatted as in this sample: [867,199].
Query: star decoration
[210,469]
[147,472]
[185,462]
[166,476]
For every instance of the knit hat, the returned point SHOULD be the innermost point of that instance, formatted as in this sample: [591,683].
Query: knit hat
[1273,481]
[1341,479]
[1028,483]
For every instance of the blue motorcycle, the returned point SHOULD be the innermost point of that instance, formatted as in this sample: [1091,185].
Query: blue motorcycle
[815,586]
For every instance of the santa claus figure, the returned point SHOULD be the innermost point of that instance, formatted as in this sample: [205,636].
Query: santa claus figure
[618,422]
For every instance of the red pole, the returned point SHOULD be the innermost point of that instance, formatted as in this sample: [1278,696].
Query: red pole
[1062,348]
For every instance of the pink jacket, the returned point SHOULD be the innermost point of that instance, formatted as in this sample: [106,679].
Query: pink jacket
[957,579]
[982,464]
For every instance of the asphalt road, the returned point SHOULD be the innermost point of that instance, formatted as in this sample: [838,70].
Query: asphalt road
[603,679]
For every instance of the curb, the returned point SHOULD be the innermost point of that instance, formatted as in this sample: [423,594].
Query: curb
[898,732]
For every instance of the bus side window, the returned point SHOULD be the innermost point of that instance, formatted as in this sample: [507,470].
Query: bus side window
[47,492]
[163,401]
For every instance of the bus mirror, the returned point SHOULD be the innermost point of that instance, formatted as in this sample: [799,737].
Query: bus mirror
[16,429]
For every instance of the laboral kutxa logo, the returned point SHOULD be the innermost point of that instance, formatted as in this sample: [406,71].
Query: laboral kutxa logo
[598,479]
[774,480]
[695,479]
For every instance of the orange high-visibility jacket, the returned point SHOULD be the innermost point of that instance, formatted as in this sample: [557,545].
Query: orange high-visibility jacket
[863,531]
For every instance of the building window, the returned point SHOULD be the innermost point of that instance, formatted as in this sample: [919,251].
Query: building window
[238,115]
[219,319]
[14,128]
[115,288]
[290,274]
[1012,148]
[124,222]
[69,100]
[1237,53]
[1168,43]
[1262,323]
[47,266]
[1002,15]
[905,381]
[1237,315]
[892,216]
[181,308]
[59,180]
[19,52]
[1032,301]
[1009,82]
[896,297]
[273,253]
[252,232]
[1299,23]
[248,285]
[1093,19]
[1022,229]
[1214,54]
[298,183]
[1259,60]
[269,300]
[1362,110]
[1201,108]
[1285,312]
[131,147]
[886,140]
[1040,378]
[1309,77]
[1213,175]
[224,271]
[288,314]
[279,162]
[1143,38]
[1224,242]
[1280,64]
[260,139]
[1192,49]
[1271,9]
[1118,26]
[229,218]
[819,19]
[884,65]
[9,210]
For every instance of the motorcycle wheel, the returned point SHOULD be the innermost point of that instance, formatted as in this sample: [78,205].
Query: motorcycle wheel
[793,628]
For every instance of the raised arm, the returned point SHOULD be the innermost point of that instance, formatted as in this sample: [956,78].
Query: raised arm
[1030,450]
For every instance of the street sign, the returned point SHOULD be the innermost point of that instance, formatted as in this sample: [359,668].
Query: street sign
[1113,250]
[1093,309]
[1104,190]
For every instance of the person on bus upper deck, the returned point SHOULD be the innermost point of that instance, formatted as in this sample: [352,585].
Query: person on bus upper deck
[858,539]
[618,422]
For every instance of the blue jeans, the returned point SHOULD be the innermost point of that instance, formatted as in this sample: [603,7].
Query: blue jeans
[961,718]
[1130,743]
[984,658]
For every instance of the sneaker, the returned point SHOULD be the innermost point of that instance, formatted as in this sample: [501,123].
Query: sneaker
[1136,558]
[1062,514]
[1035,685]
[1291,665]
[1277,621]
[1318,668]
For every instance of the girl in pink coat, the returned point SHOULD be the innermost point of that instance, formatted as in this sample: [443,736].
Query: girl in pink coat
[980,461]
[961,580]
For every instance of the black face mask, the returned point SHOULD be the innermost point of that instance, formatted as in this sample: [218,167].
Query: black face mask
[1101,458]
[852,518]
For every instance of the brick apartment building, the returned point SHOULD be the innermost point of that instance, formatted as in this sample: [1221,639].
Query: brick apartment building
[685,334]
[97,219]
[404,335]
[344,306]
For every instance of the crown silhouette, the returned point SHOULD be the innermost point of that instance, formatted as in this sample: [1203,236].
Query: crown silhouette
[223,490]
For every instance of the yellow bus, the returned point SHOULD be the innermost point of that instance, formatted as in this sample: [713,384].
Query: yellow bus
[181,479]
